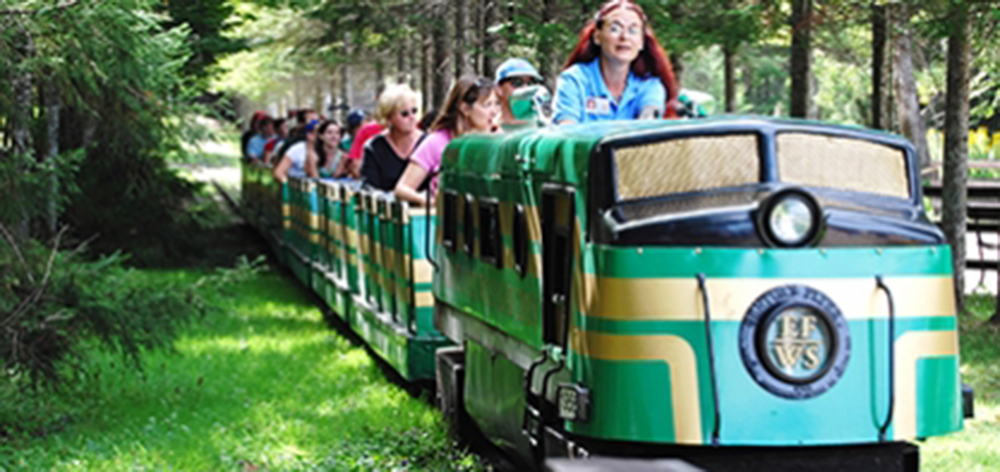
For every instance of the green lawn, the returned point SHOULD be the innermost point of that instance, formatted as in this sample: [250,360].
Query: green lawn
[977,448]
[261,382]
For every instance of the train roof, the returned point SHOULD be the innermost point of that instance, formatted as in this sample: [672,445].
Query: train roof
[562,153]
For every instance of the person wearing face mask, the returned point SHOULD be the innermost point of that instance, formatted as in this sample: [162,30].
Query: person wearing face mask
[387,154]
[471,107]
[512,75]
[618,71]
[301,159]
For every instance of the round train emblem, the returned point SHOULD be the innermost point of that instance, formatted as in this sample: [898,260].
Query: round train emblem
[795,342]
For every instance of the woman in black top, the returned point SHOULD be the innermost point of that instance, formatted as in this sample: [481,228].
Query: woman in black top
[387,154]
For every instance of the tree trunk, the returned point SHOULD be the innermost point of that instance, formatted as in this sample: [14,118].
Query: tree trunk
[881,70]
[729,59]
[22,85]
[427,101]
[345,76]
[489,39]
[801,58]
[441,63]
[547,65]
[402,69]
[53,104]
[379,77]
[459,43]
[907,105]
[956,147]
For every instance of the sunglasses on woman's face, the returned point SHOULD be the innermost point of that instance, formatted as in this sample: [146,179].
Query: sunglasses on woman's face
[519,82]
[407,113]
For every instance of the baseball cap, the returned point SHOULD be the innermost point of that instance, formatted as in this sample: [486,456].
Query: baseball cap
[516,67]
[312,125]
[355,117]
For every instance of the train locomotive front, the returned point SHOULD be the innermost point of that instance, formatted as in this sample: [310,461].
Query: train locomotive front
[741,293]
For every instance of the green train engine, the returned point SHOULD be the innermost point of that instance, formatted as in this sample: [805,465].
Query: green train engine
[745,294]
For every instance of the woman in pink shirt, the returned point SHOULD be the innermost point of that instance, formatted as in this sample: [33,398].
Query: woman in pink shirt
[471,107]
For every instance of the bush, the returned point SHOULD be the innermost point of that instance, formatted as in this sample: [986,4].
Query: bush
[52,301]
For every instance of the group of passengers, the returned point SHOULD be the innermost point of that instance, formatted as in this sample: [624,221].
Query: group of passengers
[617,71]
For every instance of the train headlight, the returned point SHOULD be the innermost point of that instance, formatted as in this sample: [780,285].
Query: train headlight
[790,218]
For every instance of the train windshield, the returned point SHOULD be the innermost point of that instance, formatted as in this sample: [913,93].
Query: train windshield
[687,164]
[815,160]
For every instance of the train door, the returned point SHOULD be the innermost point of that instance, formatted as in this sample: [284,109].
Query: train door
[558,222]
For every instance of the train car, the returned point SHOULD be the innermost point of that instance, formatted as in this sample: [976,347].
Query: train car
[741,293]
[364,254]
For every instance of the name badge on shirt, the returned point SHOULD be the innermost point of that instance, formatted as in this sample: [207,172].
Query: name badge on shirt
[598,106]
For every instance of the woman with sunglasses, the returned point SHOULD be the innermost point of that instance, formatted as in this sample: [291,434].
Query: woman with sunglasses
[618,71]
[471,107]
[512,75]
[387,154]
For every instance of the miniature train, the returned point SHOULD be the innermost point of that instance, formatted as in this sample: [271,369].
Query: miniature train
[742,293]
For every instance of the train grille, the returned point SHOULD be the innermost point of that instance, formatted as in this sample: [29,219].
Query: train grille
[814,160]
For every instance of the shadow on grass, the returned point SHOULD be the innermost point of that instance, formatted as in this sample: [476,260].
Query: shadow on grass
[261,383]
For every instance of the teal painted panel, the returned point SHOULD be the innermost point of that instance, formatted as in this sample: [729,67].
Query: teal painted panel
[939,396]
[850,412]
[494,396]
[662,262]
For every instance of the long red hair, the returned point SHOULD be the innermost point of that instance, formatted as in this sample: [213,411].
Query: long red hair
[652,60]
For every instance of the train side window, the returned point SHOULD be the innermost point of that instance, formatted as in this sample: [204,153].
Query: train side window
[520,241]
[489,233]
[469,226]
[450,229]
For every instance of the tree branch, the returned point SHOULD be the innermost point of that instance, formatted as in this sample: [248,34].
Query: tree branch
[22,12]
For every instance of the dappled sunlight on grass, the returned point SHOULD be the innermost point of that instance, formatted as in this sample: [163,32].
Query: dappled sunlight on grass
[259,382]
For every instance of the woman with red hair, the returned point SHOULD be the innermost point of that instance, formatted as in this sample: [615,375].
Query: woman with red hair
[618,71]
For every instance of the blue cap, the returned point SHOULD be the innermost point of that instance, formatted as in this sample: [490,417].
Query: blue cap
[312,125]
[516,67]
[355,117]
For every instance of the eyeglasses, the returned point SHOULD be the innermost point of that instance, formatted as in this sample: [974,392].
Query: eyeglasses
[407,113]
[519,82]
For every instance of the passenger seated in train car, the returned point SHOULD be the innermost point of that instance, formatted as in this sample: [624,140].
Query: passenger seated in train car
[301,159]
[365,133]
[513,74]
[250,132]
[617,71]
[471,107]
[354,120]
[330,160]
[265,131]
[273,144]
[386,155]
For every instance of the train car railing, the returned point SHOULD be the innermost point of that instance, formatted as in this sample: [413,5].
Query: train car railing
[350,236]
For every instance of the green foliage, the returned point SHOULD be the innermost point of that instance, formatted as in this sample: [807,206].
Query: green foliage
[260,381]
[208,21]
[51,301]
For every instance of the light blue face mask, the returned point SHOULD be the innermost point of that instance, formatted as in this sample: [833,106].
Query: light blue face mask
[532,104]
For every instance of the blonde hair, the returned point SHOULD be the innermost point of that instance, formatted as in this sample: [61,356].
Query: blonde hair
[392,98]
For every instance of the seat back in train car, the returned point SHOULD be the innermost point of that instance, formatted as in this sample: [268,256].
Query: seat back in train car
[350,236]
[422,229]
[387,244]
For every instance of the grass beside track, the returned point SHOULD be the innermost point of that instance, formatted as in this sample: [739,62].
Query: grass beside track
[977,447]
[260,384]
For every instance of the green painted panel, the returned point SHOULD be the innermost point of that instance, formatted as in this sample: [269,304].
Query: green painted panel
[939,396]
[494,396]
[657,262]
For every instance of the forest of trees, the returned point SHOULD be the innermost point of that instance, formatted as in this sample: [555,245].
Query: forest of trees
[95,97]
